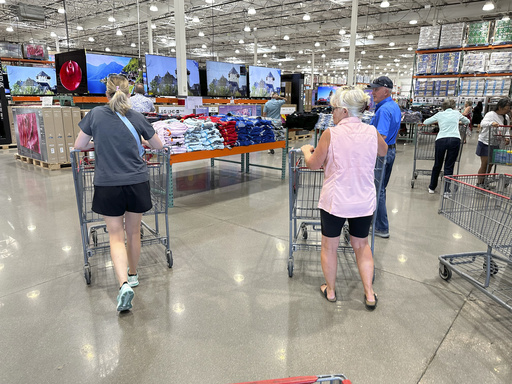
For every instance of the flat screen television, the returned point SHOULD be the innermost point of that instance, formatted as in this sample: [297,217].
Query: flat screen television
[31,80]
[71,71]
[226,79]
[324,94]
[264,81]
[100,66]
[162,73]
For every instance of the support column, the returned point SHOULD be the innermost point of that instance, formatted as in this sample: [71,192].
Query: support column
[150,37]
[312,68]
[181,54]
[255,51]
[352,52]
[57,45]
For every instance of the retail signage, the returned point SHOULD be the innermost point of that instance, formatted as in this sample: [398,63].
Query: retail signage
[287,110]
[213,109]
[175,110]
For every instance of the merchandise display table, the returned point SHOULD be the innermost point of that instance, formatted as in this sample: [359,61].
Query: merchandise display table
[244,162]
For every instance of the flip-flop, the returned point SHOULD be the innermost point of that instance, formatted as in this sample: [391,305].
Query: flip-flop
[370,305]
[324,292]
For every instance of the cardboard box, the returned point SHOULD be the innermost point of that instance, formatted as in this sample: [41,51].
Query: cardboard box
[59,135]
[76,114]
[69,131]
[51,140]
[11,124]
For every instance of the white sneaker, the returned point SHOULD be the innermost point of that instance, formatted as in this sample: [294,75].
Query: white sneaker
[133,281]
[431,191]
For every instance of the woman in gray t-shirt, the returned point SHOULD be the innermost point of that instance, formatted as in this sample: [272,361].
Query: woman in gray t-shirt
[121,180]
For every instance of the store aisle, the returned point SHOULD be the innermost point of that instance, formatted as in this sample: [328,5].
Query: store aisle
[227,311]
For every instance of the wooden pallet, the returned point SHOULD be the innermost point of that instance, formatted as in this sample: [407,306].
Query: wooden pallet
[8,146]
[41,164]
[300,137]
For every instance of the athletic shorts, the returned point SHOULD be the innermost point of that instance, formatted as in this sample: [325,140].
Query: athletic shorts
[332,225]
[115,201]
[482,149]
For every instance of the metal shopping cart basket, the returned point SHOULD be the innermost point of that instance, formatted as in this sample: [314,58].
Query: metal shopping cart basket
[425,148]
[95,236]
[487,214]
[326,379]
[304,192]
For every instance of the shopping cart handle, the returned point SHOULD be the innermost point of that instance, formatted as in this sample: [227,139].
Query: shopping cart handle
[289,380]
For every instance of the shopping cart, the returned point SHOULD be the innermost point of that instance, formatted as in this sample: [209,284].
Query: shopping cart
[305,187]
[327,379]
[425,148]
[487,214]
[94,236]
[500,146]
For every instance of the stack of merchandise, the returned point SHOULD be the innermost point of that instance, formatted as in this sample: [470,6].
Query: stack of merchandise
[263,131]
[497,86]
[277,127]
[500,62]
[366,117]
[429,37]
[474,62]
[452,35]
[243,132]
[324,121]
[427,64]
[424,87]
[202,136]
[503,32]
[478,33]
[472,87]
[445,88]
[448,62]
[227,129]
[171,132]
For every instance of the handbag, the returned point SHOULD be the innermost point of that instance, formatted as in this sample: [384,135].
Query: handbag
[132,129]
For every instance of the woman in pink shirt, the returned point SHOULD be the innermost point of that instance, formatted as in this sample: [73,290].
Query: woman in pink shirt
[348,153]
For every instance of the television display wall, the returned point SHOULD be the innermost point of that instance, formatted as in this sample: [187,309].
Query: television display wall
[31,80]
[71,71]
[226,79]
[100,66]
[162,76]
[263,81]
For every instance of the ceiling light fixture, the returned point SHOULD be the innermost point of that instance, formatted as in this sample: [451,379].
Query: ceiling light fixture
[61,10]
[251,11]
[301,52]
[280,64]
[414,21]
[195,19]
[132,45]
[107,49]
[237,51]
[323,55]
[9,29]
[342,49]
[409,49]
[381,57]
[384,4]
[363,52]
[201,34]
[79,27]
[52,34]
[264,55]
[317,44]
[505,18]
[488,6]
[306,17]
[391,44]
[273,47]
[119,33]
[241,41]
[247,28]
[286,37]
[342,32]
[203,46]
[370,37]
[210,1]
[153,8]
[112,19]
[91,39]
[173,50]
[153,26]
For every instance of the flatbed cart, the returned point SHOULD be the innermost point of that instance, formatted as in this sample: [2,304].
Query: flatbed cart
[326,379]
[487,214]
[93,229]
[304,192]
[425,148]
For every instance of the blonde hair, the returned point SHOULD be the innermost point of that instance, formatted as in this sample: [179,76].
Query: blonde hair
[118,92]
[469,103]
[351,98]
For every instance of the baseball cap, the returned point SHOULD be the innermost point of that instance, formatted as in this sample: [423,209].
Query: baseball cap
[382,81]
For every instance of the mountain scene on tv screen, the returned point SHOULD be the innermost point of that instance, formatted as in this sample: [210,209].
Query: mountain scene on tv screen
[97,74]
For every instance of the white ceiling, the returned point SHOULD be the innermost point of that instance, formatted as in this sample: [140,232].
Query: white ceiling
[223,25]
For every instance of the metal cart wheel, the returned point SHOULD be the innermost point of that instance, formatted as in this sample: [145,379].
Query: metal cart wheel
[444,272]
[87,274]
[94,236]
[412,183]
[494,267]
[168,255]
[415,175]
[290,268]
[304,231]
[272,152]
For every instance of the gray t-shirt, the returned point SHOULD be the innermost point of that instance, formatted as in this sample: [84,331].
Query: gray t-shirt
[273,108]
[116,152]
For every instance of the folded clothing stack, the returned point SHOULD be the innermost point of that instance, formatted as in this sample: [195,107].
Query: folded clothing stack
[324,121]
[243,130]
[171,132]
[263,131]
[202,136]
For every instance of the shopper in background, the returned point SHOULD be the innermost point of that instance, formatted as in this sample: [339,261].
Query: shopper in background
[141,103]
[468,109]
[272,108]
[447,141]
[492,118]
[477,115]
[387,121]
[348,153]
[121,179]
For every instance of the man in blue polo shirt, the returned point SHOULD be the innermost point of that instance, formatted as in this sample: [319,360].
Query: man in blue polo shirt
[387,121]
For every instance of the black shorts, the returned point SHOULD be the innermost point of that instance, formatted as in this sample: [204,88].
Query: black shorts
[115,201]
[357,226]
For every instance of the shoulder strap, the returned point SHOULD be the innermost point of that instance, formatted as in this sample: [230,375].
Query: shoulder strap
[132,129]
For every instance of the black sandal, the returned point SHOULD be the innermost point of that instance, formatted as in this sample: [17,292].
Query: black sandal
[370,305]
[324,292]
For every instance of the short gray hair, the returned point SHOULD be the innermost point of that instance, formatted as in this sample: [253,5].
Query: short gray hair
[448,103]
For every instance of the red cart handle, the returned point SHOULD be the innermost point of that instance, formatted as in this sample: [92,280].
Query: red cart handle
[292,380]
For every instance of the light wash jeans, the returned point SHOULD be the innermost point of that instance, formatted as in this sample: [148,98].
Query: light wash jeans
[381,221]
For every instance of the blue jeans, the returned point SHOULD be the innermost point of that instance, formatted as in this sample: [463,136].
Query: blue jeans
[381,220]
[447,150]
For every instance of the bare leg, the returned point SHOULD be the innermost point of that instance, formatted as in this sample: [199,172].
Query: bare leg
[117,248]
[132,225]
[329,261]
[364,260]
[484,160]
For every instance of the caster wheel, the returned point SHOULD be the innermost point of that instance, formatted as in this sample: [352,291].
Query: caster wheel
[272,152]
[141,232]
[168,255]
[444,272]
[290,268]
[412,183]
[415,175]
[494,267]
[305,234]
[94,237]
[87,274]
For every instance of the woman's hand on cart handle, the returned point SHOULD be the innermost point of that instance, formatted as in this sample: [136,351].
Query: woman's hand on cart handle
[307,148]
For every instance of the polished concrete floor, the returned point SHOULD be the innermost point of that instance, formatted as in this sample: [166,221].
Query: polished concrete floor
[227,311]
